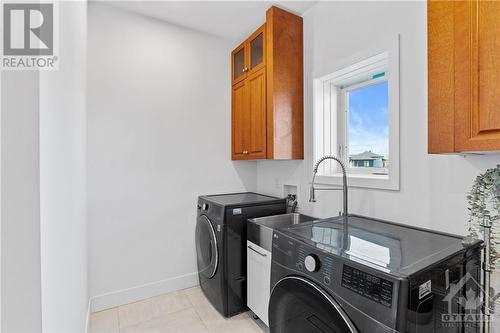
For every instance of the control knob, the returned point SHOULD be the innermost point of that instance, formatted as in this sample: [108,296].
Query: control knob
[312,263]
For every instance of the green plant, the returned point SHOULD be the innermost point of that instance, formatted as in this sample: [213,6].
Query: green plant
[484,207]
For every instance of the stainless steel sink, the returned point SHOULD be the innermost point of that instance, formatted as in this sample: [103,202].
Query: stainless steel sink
[260,229]
[282,220]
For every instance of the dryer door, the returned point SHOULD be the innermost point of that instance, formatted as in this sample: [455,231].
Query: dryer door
[206,247]
[298,305]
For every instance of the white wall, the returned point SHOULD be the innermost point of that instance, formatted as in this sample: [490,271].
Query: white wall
[62,178]
[43,231]
[433,188]
[158,136]
[20,203]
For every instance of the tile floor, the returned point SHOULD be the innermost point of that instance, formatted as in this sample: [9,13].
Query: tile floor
[184,311]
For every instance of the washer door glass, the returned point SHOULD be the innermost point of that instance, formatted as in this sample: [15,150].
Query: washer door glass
[206,247]
[298,305]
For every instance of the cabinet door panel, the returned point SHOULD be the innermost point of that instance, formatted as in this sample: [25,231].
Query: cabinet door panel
[441,82]
[477,75]
[256,50]
[489,66]
[239,63]
[240,122]
[257,114]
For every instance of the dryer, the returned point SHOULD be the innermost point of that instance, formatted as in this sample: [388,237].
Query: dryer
[374,277]
[221,245]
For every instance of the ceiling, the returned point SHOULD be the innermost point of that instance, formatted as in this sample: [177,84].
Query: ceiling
[232,20]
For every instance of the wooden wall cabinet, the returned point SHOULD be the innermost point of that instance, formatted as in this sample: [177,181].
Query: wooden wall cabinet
[267,91]
[463,76]
[248,98]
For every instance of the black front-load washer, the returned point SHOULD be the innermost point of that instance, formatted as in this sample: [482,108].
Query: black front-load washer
[221,245]
[374,277]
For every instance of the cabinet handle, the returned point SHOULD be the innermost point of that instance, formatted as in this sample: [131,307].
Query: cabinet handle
[254,250]
[245,152]
[245,69]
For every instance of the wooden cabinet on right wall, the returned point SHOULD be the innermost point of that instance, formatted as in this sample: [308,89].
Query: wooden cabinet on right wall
[463,76]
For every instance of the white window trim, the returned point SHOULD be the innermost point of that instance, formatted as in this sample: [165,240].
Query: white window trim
[384,57]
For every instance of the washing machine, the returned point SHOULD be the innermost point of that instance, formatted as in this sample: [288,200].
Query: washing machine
[374,277]
[221,245]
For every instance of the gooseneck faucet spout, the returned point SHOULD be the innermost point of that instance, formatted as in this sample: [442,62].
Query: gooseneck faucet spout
[312,197]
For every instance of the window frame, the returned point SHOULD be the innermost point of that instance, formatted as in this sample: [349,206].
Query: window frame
[326,97]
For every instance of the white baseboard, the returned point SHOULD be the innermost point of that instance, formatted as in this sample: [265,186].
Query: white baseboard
[134,294]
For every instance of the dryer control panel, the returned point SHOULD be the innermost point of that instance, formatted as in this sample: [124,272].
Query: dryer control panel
[367,285]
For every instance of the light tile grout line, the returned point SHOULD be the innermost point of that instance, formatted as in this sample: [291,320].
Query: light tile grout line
[192,306]
[196,309]
[167,314]
[158,317]
[248,317]
[118,316]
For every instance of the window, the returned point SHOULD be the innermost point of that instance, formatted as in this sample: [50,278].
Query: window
[366,123]
[356,118]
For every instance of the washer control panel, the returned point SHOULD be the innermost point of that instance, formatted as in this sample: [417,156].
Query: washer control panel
[311,264]
[367,285]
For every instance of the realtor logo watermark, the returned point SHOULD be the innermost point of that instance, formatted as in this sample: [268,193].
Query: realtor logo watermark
[29,36]
[470,304]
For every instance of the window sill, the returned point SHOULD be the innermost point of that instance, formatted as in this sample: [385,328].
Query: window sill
[381,182]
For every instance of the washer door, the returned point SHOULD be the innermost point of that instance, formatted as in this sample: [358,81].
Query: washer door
[298,305]
[206,247]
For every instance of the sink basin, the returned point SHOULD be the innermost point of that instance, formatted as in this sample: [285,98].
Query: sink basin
[283,220]
[260,229]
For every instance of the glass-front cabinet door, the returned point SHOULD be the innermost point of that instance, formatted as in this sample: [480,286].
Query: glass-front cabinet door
[250,56]
[256,45]
[239,61]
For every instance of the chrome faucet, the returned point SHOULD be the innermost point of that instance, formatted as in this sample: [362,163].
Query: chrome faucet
[312,197]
